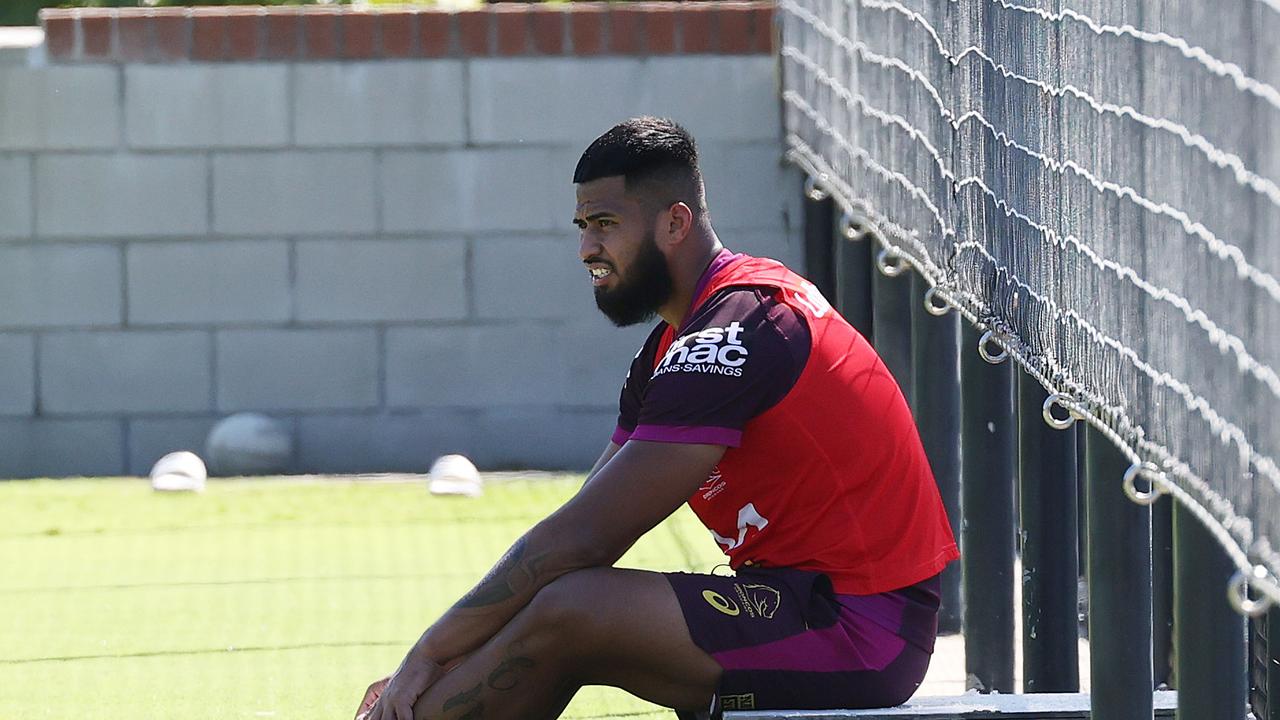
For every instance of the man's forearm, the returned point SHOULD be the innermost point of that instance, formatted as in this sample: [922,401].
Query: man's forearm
[530,564]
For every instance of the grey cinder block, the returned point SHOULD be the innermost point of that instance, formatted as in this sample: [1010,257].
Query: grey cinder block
[60,285]
[15,196]
[379,103]
[56,448]
[542,438]
[17,374]
[551,100]
[480,189]
[121,195]
[737,97]
[209,282]
[409,442]
[293,193]
[471,366]
[195,105]
[783,245]
[530,278]
[297,369]
[381,280]
[747,185]
[594,357]
[497,439]
[125,372]
[59,108]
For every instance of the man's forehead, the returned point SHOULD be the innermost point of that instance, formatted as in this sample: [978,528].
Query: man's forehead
[607,194]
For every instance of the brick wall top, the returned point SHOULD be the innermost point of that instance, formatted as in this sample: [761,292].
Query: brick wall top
[211,34]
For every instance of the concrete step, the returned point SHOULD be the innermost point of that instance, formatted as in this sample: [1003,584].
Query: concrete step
[972,706]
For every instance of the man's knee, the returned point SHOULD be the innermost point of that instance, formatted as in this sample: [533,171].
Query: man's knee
[569,603]
[569,615]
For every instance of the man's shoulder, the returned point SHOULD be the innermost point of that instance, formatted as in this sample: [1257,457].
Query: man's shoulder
[751,305]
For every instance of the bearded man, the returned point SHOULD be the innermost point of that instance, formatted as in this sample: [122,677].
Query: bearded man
[755,402]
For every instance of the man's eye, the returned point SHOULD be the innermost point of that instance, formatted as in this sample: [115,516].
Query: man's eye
[605,222]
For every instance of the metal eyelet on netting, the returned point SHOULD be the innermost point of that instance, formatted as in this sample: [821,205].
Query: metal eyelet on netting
[1053,421]
[814,191]
[1153,475]
[988,339]
[935,304]
[890,263]
[851,229]
[1238,592]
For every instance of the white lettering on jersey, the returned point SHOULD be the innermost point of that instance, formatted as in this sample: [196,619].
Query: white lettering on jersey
[747,518]
[715,350]
[812,300]
[714,485]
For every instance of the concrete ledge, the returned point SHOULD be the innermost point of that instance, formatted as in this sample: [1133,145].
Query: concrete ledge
[19,44]
[1043,706]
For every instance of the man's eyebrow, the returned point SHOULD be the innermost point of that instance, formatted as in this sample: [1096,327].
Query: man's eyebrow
[595,216]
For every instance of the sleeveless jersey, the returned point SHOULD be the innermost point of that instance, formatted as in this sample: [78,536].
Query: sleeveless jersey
[833,477]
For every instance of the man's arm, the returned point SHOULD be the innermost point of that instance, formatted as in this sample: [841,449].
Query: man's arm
[605,457]
[637,487]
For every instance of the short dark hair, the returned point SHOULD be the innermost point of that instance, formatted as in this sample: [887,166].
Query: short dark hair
[656,157]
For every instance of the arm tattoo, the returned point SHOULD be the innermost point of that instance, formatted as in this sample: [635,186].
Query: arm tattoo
[462,698]
[512,574]
[507,675]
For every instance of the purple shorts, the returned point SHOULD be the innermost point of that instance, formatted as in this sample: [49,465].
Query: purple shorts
[787,641]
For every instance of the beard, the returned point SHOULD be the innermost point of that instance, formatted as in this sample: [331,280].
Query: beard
[647,287]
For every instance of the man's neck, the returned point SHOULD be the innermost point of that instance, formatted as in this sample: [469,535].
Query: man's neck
[685,279]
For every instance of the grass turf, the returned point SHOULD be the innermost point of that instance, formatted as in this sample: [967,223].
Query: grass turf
[257,599]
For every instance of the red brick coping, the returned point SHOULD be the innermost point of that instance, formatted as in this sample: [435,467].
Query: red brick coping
[339,32]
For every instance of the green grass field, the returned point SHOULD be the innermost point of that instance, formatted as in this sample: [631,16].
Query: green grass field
[257,599]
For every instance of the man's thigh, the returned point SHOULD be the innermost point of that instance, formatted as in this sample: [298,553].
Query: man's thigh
[629,631]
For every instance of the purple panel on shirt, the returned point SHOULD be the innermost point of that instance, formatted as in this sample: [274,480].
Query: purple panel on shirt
[700,435]
[620,435]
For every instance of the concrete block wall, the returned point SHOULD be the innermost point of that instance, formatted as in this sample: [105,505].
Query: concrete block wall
[358,223]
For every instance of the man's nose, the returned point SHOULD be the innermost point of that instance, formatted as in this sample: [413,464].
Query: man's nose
[588,245]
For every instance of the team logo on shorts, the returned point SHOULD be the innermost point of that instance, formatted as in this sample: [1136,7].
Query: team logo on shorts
[721,603]
[760,600]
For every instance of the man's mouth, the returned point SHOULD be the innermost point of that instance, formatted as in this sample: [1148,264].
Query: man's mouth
[600,274]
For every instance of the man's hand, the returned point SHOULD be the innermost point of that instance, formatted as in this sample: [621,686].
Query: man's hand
[371,696]
[392,698]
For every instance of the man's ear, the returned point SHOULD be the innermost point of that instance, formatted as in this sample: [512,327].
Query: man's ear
[679,222]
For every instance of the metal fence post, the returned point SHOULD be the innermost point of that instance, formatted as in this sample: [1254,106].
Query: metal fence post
[1271,659]
[1119,577]
[1050,566]
[853,268]
[987,533]
[1208,634]
[1162,591]
[891,318]
[819,245]
[1264,665]
[935,343]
